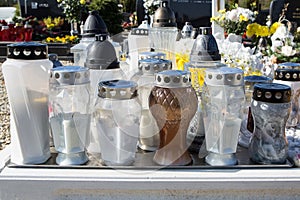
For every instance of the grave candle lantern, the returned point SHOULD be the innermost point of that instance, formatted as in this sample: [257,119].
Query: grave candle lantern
[70,117]
[26,74]
[247,125]
[223,100]
[173,103]
[164,32]
[149,132]
[117,114]
[270,109]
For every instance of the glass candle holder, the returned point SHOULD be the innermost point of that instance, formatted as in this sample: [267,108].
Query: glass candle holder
[270,110]
[117,114]
[291,77]
[204,54]
[149,132]
[104,65]
[173,103]
[222,102]
[70,117]
[247,125]
[164,32]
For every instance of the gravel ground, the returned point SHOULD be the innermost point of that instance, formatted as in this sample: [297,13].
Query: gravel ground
[4,114]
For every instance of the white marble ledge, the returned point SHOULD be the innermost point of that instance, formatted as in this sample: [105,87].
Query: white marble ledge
[53,183]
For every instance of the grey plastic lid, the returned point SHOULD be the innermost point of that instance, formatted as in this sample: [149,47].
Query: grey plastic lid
[93,25]
[117,89]
[272,93]
[101,54]
[205,47]
[69,75]
[187,30]
[27,51]
[173,79]
[140,31]
[151,54]
[164,16]
[151,66]
[224,76]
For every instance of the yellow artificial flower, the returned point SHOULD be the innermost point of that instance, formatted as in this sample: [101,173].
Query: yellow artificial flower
[223,11]
[49,39]
[59,1]
[251,29]
[243,18]
[82,2]
[274,27]
[262,31]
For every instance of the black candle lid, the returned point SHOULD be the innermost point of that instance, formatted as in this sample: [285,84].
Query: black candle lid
[272,93]
[27,51]
[287,74]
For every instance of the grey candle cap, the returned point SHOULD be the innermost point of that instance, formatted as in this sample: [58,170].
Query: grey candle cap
[173,79]
[151,66]
[224,76]
[151,54]
[117,89]
[69,75]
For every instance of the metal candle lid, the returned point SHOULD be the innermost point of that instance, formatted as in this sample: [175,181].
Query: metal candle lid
[224,76]
[101,54]
[272,93]
[187,29]
[140,31]
[289,65]
[151,54]
[164,16]
[69,75]
[27,51]
[117,89]
[94,24]
[173,79]
[151,66]
[287,74]
[251,80]
[205,47]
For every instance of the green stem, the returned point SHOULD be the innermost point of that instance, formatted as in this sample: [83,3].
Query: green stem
[256,45]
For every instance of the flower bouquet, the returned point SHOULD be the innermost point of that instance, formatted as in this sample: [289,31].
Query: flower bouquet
[234,21]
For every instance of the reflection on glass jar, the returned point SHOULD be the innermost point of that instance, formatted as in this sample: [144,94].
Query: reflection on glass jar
[222,101]
[270,109]
[117,114]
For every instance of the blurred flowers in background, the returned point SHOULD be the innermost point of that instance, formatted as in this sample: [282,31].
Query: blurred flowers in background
[151,6]
[234,21]
[72,39]
[72,9]
[52,23]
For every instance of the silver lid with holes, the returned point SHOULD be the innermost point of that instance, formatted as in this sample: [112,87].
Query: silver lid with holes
[152,54]
[140,31]
[173,79]
[69,75]
[117,89]
[151,66]
[224,76]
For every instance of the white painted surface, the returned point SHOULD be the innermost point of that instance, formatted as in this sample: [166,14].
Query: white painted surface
[41,183]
